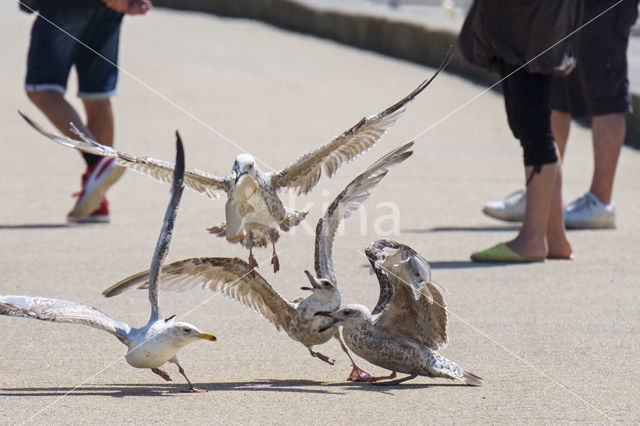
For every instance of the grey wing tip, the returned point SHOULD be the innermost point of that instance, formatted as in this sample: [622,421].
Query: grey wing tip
[178,172]
[472,380]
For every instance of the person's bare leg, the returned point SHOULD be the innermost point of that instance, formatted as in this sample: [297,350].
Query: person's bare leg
[608,136]
[59,112]
[100,119]
[532,239]
[560,127]
[557,240]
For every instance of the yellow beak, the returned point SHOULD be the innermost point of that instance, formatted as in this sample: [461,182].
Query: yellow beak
[207,336]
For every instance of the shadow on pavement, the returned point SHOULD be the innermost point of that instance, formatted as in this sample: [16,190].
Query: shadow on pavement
[124,390]
[35,226]
[458,264]
[168,389]
[503,228]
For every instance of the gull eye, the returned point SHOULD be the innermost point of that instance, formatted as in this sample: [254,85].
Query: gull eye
[347,312]
[186,330]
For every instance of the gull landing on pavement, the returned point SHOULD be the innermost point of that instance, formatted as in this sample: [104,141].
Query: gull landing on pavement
[150,346]
[263,213]
[408,324]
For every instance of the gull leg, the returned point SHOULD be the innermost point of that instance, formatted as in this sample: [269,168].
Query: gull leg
[324,358]
[397,381]
[357,373]
[160,372]
[274,259]
[191,387]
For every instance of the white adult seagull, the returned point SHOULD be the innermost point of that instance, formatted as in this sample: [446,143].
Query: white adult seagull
[262,213]
[150,346]
[408,324]
[234,277]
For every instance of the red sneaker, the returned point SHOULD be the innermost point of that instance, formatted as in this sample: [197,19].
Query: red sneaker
[100,215]
[95,183]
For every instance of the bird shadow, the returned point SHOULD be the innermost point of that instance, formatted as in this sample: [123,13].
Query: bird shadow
[120,390]
[34,226]
[458,264]
[509,228]
[379,387]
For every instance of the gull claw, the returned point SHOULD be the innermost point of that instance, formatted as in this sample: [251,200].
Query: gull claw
[194,389]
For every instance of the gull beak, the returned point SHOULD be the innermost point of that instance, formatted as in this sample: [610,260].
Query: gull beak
[207,336]
[314,283]
[333,323]
[238,176]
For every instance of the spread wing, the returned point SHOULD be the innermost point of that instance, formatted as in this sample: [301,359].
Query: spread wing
[162,171]
[162,246]
[57,310]
[410,303]
[303,174]
[347,202]
[231,277]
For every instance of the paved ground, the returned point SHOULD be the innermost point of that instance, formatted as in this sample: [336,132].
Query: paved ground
[554,341]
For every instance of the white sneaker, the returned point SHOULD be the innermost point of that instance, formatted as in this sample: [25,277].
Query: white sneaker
[589,212]
[511,209]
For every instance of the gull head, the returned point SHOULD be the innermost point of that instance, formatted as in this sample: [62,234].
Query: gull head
[183,333]
[244,164]
[323,289]
[352,315]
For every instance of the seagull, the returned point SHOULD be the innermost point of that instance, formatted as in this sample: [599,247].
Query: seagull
[236,279]
[408,324]
[264,215]
[150,346]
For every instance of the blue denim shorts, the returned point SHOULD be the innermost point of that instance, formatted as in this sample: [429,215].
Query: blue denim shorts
[54,50]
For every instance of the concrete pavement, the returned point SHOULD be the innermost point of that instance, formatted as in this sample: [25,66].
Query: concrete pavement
[555,342]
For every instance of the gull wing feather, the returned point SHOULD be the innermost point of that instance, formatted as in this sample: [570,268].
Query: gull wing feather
[347,202]
[232,277]
[58,310]
[162,247]
[303,174]
[161,171]
[410,303]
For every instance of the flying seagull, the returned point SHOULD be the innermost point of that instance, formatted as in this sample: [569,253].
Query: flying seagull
[263,213]
[236,279]
[408,324]
[150,346]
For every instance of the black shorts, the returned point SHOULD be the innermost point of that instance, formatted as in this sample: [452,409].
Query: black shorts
[599,84]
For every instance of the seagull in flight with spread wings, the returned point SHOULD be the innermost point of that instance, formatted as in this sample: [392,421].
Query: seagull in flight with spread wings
[150,346]
[408,324]
[255,215]
[237,280]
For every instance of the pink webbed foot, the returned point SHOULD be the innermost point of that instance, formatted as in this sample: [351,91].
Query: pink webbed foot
[252,261]
[194,389]
[160,372]
[359,375]
[275,262]
[324,358]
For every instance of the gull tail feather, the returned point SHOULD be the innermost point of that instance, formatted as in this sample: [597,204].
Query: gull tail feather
[472,379]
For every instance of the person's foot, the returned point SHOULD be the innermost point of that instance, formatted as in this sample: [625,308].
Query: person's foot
[95,183]
[589,212]
[100,215]
[510,209]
